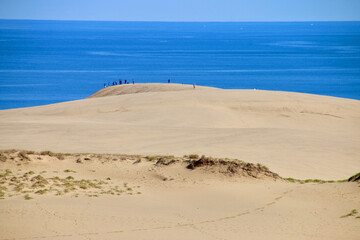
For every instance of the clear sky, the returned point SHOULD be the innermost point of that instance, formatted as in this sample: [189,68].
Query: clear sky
[182,10]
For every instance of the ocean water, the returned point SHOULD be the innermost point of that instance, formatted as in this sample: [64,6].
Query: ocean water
[44,62]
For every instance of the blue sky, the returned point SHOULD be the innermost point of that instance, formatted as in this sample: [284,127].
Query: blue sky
[182,10]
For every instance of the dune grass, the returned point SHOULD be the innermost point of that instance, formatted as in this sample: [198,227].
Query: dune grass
[351,213]
[31,182]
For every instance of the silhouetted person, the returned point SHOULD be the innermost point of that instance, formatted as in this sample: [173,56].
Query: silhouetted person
[133,81]
[169,80]
[104,85]
[120,81]
[125,81]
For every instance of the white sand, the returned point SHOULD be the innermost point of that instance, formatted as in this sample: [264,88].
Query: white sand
[196,204]
[296,135]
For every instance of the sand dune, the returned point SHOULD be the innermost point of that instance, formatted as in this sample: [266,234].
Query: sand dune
[296,135]
[113,196]
[141,88]
[92,196]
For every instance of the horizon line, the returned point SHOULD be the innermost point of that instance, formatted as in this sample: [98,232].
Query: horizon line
[185,21]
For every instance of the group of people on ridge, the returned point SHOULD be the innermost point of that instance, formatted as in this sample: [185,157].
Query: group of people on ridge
[116,83]
[121,82]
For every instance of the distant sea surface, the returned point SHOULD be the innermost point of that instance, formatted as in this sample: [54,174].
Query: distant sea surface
[44,62]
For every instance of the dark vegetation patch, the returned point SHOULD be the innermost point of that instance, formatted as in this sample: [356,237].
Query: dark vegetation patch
[355,178]
[165,161]
[231,167]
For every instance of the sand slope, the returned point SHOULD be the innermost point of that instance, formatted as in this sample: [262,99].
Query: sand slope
[191,204]
[104,196]
[295,135]
[141,88]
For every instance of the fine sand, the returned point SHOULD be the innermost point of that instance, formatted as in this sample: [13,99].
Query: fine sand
[92,196]
[101,194]
[295,135]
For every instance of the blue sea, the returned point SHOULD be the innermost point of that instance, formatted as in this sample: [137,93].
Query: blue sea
[44,62]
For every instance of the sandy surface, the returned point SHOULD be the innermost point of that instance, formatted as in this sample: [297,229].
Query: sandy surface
[112,196]
[143,88]
[170,202]
[296,135]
